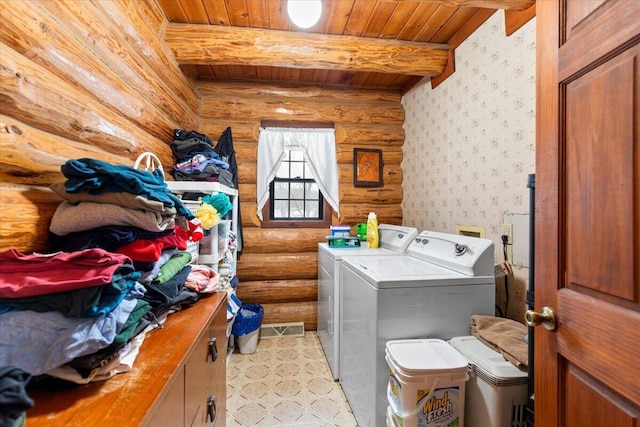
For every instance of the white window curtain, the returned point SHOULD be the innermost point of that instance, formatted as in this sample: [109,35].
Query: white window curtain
[319,149]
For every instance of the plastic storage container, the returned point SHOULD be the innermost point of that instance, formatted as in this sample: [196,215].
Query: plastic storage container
[426,383]
[496,394]
[193,247]
[343,242]
[224,227]
[340,230]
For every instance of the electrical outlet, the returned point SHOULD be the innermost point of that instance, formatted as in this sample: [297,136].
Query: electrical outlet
[507,230]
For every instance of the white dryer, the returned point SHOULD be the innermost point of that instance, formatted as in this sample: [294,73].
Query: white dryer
[431,291]
[394,239]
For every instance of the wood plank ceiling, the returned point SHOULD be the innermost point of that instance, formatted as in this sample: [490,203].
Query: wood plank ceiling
[357,43]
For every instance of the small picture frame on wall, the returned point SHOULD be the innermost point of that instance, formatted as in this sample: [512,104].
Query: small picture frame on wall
[367,167]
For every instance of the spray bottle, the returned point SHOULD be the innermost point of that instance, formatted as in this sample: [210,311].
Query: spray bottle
[372,231]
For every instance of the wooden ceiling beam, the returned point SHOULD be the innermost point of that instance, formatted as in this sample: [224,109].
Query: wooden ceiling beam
[221,45]
[487,4]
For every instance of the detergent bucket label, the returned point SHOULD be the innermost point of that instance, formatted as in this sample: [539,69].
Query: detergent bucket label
[426,392]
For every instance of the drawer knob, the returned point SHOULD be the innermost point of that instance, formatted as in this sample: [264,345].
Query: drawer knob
[213,349]
[211,408]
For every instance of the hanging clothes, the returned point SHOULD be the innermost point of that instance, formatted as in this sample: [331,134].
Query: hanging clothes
[225,149]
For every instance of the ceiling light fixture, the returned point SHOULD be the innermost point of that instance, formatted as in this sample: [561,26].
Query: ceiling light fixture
[304,13]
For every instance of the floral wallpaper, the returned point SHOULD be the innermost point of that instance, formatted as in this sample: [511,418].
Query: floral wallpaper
[470,142]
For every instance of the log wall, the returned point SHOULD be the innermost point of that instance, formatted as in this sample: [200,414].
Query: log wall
[278,267]
[80,79]
[94,79]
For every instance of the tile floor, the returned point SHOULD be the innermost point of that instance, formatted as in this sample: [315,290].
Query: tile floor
[286,382]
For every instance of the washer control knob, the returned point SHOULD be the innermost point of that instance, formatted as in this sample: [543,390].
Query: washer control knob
[460,249]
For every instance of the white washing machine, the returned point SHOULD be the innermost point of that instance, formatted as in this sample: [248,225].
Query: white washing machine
[431,291]
[393,240]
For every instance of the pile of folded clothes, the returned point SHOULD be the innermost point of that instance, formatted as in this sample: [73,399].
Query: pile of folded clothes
[117,268]
[59,308]
[197,160]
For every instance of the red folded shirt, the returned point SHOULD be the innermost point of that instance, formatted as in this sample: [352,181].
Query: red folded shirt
[149,250]
[37,274]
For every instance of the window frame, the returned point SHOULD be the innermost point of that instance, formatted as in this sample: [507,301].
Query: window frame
[267,210]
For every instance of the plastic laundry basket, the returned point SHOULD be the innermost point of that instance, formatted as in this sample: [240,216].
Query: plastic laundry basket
[426,383]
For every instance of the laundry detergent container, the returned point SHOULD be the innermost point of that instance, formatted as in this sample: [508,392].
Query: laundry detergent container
[391,418]
[426,383]
[496,393]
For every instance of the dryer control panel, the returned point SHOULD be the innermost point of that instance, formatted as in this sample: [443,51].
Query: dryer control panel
[396,237]
[471,256]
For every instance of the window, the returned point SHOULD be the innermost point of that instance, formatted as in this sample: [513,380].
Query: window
[295,194]
[295,198]
[297,182]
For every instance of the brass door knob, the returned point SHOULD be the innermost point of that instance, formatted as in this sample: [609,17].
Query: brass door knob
[546,318]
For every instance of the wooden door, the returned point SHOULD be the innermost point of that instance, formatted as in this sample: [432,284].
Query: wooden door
[587,257]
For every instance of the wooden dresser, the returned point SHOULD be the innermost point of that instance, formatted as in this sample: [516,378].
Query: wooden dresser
[178,379]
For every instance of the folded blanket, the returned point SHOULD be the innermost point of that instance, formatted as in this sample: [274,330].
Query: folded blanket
[69,218]
[506,336]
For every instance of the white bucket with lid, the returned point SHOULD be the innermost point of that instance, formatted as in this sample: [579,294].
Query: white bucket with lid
[426,383]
